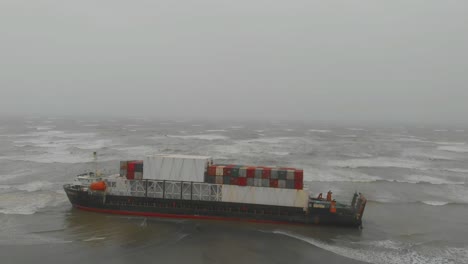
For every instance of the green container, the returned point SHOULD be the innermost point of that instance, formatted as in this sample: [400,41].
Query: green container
[289,184]
[258,173]
[250,182]
[282,174]
[274,174]
[235,172]
[281,183]
[226,180]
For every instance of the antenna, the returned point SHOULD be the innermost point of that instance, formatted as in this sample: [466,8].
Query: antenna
[95,163]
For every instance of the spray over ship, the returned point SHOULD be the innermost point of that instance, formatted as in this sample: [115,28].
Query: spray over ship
[181,186]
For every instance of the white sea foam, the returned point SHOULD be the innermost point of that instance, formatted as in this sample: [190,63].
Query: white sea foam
[215,130]
[15,174]
[457,149]
[449,143]
[45,127]
[334,175]
[133,152]
[34,186]
[94,239]
[356,129]
[456,170]
[427,154]
[413,139]
[319,130]
[388,252]
[201,137]
[347,136]
[435,203]
[280,153]
[276,140]
[59,146]
[426,179]
[28,202]
[379,162]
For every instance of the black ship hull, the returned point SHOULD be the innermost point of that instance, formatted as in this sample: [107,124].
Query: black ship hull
[96,201]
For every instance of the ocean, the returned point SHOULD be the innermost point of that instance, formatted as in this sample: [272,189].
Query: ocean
[414,177]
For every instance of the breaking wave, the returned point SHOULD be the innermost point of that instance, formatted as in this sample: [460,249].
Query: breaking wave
[202,137]
[457,148]
[27,203]
[379,162]
[424,179]
[388,251]
[435,203]
[319,131]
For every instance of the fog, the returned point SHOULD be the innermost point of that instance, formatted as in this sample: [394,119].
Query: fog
[366,60]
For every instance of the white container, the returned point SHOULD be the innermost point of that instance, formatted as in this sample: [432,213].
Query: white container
[264,195]
[176,167]
[220,170]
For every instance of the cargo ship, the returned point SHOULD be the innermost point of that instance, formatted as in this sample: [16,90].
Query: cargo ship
[181,186]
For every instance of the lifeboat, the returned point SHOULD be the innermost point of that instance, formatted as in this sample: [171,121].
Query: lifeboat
[98,186]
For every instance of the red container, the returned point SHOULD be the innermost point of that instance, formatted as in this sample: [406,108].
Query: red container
[241,181]
[235,181]
[298,185]
[250,172]
[131,170]
[266,173]
[274,183]
[212,170]
[299,176]
[227,171]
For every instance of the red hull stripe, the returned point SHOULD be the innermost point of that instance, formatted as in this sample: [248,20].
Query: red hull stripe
[204,217]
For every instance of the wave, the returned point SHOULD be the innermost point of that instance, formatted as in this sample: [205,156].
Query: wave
[435,203]
[390,200]
[44,127]
[280,153]
[449,143]
[27,203]
[347,136]
[319,130]
[215,130]
[456,170]
[202,137]
[34,186]
[457,149]
[416,179]
[94,239]
[15,174]
[387,251]
[56,156]
[379,162]
[29,187]
[356,129]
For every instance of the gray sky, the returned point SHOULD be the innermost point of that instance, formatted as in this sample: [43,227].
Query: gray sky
[303,60]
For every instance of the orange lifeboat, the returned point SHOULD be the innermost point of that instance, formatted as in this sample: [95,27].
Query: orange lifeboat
[98,186]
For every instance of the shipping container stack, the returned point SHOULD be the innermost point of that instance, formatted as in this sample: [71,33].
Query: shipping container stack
[259,176]
[132,169]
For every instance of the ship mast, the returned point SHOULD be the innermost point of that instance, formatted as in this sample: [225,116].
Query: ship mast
[95,163]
